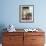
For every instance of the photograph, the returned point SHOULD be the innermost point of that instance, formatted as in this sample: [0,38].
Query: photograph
[26,13]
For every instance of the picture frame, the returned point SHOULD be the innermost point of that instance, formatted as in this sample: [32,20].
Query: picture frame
[26,13]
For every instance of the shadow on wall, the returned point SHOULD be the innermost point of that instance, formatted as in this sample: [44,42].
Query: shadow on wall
[2,26]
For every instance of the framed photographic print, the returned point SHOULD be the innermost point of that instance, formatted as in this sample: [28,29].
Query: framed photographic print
[26,13]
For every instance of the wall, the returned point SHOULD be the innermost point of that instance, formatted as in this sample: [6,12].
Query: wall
[9,13]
